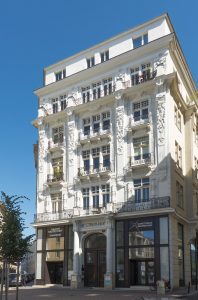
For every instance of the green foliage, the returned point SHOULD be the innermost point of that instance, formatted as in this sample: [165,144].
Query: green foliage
[13,245]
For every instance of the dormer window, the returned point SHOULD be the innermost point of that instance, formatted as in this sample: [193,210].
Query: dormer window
[140,41]
[90,62]
[104,56]
[60,75]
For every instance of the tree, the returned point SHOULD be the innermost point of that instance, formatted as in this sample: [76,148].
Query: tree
[13,244]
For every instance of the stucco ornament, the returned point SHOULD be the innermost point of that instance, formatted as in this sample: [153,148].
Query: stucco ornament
[41,147]
[161,119]
[161,61]
[71,141]
[120,129]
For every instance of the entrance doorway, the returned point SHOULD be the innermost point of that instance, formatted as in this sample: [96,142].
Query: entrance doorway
[55,271]
[95,260]
[142,272]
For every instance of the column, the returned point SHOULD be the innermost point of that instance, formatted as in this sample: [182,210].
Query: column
[76,278]
[108,278]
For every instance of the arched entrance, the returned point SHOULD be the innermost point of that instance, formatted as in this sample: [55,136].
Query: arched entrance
[95,260]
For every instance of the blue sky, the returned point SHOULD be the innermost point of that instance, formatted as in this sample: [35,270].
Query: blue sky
[37,33]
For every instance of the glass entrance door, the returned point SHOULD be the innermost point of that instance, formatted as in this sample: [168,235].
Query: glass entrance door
[55,270]
[142,272]
[95,260]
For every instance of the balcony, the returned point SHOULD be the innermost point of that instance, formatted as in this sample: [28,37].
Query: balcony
[152,203]
[93,136]
[139,161]
[93,210]
[53,179]
[102,171]
[137,79]
[53,147]
[140,122]
[50,216]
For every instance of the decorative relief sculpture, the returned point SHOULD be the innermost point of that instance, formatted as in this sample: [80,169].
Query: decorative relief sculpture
[41,147]
[161,120]
[120,129]
[71,142]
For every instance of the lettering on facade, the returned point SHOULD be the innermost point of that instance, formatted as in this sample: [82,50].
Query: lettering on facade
[55,232]
[92,225]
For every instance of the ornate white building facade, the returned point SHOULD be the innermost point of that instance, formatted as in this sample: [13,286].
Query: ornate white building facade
[116,161]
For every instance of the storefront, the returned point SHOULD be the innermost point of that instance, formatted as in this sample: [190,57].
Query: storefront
[142,251]
[54,255]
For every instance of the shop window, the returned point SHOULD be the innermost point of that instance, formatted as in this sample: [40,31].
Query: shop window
[54,256]
[181,253]
[120,266]
[56,243]
[164,264]
[120,234]
[141,237]
[163,230]
[193,253]
[141,253]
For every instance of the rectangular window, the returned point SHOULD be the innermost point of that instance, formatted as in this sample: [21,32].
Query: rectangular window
[178,155]
[86,160]
[57,165]
[60,75]
[105,194]
[106,120]
[57,135]
[86,125]
[96,124]
[86,94]
[95,196]
[179,195]
[177,117]
[56,200]
[140,41]
[141,148]
[141,188]
[106,156]
[96,90]
[107,86]
[104,56]
[140,110]
[95,156]
[63,99]
[85,193]
[90,62]
[55,105]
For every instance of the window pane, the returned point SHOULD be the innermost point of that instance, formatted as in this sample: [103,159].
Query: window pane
[55,256]
[141,238]
[120,234]
[142,252]
[164,263]
[137,42]
[120,264]
[55,243]
[164,230]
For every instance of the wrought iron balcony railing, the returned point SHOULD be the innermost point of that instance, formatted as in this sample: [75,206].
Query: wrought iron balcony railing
[51,216]
[152,203]
[141,159]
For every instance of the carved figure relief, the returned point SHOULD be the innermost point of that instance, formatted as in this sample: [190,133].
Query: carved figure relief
[120,129]
[71,142]
[161,120]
